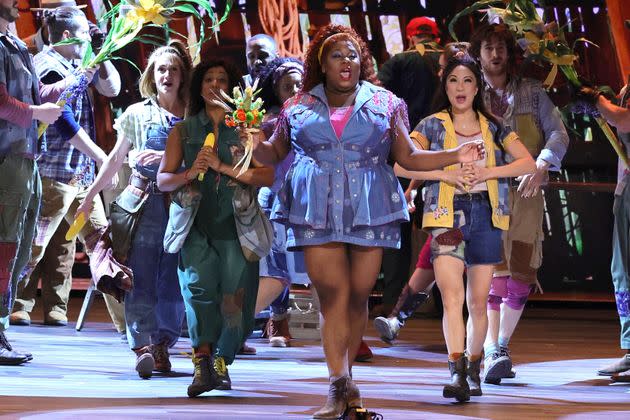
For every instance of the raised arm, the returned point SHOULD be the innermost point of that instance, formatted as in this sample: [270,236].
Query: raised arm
[106,174]
[274,150]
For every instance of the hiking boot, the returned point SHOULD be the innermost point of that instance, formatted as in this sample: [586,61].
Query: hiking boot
[472,376]
[496,366]
[278,332]
[619,366]
[458,388]
[22,318]
[145,363]
[221,376]
[387,328]
[55,319]
[161,357]
[364,353]
[9,357]
[203,380]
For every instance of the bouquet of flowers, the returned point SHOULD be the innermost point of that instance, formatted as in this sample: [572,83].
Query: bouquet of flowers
[126,19]
[247,113]
[542,43]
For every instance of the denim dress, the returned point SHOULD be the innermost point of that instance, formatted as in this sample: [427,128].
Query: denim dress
[154,308]
[341,189]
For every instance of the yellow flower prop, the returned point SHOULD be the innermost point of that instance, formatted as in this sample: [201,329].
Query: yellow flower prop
[125,21]
[147,11]
[541,42]
[248,115]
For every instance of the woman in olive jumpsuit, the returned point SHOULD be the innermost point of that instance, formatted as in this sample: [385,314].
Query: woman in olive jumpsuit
[218,284]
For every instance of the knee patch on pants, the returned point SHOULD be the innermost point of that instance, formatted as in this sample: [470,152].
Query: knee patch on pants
[498,292]
[232,308]
[517,295]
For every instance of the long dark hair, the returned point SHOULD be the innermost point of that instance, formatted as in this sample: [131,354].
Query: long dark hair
[196,102]
[441,102]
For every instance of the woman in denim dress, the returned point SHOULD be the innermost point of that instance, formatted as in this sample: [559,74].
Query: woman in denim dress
[154,309]
[466,214]
[218,283]
[341,201]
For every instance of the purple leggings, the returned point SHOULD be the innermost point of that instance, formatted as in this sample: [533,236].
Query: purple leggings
[509,291]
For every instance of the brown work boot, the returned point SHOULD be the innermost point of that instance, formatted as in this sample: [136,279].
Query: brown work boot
[278,331]
[161,358]
[145,363]
[56,319]
[20,318]
[203,380]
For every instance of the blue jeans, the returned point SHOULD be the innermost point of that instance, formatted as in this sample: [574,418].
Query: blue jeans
[620,265]
[154,308]
[473,238]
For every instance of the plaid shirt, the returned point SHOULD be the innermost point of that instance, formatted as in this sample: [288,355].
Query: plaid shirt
[19,77]
[62,161]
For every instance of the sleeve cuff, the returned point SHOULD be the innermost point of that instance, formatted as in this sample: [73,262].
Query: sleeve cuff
[419,140]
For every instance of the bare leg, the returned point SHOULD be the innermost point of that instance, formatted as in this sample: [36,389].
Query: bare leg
[269,288]
[479,278]
[449,273]
[421,280]
[365,264]
[329,270]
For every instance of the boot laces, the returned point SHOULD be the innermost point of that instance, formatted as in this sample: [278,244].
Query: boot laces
[219,366]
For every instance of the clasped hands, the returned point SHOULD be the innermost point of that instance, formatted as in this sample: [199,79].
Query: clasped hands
[206,159]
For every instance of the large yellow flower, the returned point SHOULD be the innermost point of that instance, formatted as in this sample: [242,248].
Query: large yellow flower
[147,11]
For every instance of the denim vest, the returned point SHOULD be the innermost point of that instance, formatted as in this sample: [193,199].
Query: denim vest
[437,132]
[532,115]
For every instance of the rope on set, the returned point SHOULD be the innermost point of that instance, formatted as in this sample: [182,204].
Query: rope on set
[281,20]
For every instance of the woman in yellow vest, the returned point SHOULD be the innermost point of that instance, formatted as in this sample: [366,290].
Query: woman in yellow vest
[466,223]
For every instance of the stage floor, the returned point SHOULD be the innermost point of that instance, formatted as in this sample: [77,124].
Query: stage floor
[89,374]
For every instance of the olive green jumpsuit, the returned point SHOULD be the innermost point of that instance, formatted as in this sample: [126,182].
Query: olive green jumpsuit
[218,284]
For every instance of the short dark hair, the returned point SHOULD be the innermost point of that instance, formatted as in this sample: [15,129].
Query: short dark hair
[62,19]
[196,102]
[498,31]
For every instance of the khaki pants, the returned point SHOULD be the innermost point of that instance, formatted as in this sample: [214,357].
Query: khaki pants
[522,242]
[59,203]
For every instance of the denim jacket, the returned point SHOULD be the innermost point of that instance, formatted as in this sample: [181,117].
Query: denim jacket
[536,119]
[437,132]
[341,183]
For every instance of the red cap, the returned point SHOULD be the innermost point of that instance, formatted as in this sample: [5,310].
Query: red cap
[422,26]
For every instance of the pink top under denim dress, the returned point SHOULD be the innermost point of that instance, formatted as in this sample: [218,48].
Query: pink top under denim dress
[341,188]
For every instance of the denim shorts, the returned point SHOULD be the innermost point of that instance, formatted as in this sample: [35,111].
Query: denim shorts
[473,238]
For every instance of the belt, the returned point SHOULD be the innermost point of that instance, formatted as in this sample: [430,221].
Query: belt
[144,184]
[482,195]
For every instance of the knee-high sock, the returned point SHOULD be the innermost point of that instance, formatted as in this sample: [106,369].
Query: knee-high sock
[498,292]
[512,309]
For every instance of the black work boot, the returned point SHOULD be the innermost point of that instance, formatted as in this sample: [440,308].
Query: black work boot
[458,388]
[220,373]
[203,381]
[408,302]
[472,376]
[8,356]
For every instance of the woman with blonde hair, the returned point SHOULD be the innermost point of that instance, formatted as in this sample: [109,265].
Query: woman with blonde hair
[154,308]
